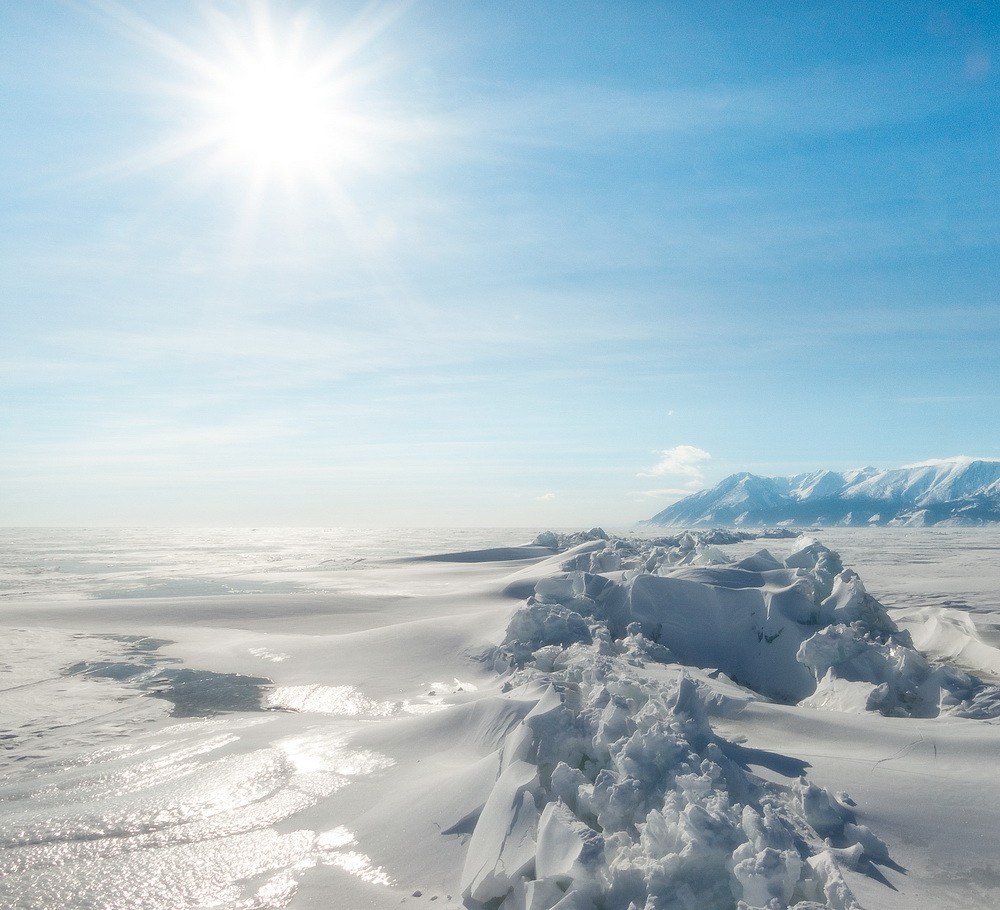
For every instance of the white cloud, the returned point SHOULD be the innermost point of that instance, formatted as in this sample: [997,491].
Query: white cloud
[672,493]
[546,497]
[953,460]
[680,461]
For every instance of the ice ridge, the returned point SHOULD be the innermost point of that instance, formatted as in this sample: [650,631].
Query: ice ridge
[616,793]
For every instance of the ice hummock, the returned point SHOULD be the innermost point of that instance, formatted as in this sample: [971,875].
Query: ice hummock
[615,792]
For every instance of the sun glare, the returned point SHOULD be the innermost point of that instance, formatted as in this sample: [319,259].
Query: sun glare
[270,99]
[277,115]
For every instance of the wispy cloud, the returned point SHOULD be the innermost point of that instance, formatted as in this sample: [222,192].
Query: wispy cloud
[680,461]
[820,102]
[954,460]
[546,497]
[672,493]
[945,399]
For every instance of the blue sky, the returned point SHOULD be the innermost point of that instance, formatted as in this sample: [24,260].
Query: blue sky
[555,262]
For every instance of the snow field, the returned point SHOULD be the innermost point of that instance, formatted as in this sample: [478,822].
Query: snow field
[589,722]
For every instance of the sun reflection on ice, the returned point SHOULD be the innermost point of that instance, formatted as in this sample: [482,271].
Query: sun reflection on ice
[349,701]
[268,654]
[323,752]
[193,814]
[343,701]
[351,861]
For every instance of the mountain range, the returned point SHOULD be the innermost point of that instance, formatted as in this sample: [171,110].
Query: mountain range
[948,491]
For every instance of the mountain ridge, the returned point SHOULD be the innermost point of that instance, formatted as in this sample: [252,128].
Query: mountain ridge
[958,491]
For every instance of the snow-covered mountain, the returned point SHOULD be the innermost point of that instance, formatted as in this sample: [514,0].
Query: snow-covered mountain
[949,491]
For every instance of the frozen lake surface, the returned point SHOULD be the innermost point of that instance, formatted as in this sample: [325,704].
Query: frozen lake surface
[335,718]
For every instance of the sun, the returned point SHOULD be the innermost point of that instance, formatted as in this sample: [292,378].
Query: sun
[268,99]
[273,115]
[274,111]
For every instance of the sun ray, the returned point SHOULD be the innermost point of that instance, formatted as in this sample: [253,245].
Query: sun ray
[273,102]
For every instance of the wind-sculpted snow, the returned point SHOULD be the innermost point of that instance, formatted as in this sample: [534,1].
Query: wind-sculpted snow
[615,792]
[788,630]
